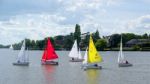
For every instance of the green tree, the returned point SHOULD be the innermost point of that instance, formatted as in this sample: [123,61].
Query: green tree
[28,44]
[96,36]
[128,36]
[40,44]
[77,34]
[101,44]
[68,42]
[136,47]
[114,40]
[145,36]
[85,41]
[33,44]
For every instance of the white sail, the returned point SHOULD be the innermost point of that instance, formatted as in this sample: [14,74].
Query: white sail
[79,54]
[21,55]
[85,61]
[11,47]
[120,55]
[74,51]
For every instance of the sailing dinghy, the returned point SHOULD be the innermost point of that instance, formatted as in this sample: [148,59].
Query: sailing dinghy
[91,57]
[11,47]
[22,59]
[49,55]
[75,54]
[122,62]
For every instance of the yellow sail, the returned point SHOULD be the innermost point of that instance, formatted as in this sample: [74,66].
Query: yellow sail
[93,55]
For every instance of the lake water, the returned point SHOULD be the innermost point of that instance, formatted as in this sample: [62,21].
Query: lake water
[71,73]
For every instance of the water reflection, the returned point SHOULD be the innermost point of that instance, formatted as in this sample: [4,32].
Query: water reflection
[48,72]
[93,76]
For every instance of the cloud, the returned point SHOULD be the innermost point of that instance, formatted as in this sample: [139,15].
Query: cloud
[36,20]
[113,2]
[140,25]
[77,5]
[33,26]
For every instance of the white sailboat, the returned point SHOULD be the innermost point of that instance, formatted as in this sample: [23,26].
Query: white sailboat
[11,47]
[75,54]
[122,62]
[22,58]
[91,57]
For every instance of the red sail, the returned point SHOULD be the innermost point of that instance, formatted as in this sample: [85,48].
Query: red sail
[49,52]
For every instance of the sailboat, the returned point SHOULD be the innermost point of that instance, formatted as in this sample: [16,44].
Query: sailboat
[22,59]
[11,47]
[75,54]
[49,55]
[122,62]
[91,57]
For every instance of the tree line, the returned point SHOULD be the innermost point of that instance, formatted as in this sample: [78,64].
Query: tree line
[65,42]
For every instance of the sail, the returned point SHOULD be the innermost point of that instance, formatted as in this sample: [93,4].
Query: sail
[44,54]
[120,55]
[11,47]
[79,55]
[49,52]
[74,51]
[85,61]
[21,55]
[93,55]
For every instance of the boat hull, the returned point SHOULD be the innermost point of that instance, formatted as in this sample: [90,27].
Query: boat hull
[49,63]
[124,65]
[21,63]
[76,60]
[85,67]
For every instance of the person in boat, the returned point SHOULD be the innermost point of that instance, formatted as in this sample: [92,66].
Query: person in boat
[96,65]
[72,58]
[127,62]
[18,61]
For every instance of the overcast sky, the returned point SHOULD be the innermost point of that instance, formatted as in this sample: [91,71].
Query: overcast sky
[36,19]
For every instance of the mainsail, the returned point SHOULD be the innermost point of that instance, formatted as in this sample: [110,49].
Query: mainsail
[21,56]
[74,53]
[49,52]
[120,55]
[93,55]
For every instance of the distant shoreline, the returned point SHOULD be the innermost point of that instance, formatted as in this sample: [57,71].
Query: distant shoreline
[113,49]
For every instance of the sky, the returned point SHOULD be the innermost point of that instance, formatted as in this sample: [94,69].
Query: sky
[37,19]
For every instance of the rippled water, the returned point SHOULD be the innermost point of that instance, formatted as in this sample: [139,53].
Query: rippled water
[71,73]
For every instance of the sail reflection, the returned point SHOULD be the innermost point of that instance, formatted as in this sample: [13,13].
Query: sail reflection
[48,72]
[93,76]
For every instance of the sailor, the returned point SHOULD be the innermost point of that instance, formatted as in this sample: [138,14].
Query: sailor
[72,58]
[18,61]
[127,62]
[96,65]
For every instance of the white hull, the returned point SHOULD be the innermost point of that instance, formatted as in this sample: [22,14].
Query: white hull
[124,65]
[49,63]
[87,66]
[76,60]
[21,63]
